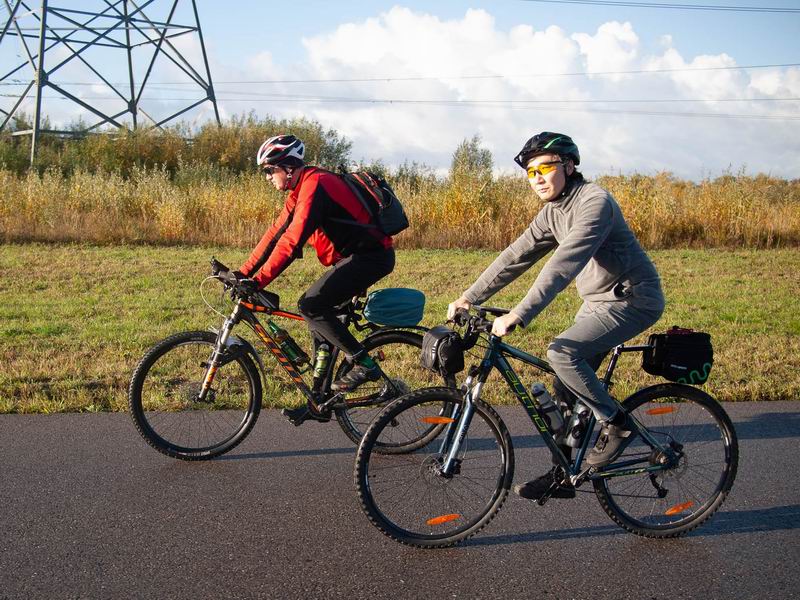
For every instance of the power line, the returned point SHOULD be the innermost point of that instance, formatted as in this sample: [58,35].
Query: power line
[674,6]
[496,101]
[435,101]
[462,103]
[457,77]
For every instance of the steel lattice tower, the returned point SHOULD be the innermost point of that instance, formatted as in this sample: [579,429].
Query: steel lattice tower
[81,53]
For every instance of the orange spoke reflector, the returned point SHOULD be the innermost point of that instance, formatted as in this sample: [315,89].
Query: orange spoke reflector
[442,519]
[437,420]
[679,508]
[379,355]
[661,411]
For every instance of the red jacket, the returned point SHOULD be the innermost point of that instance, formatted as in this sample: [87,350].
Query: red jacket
[311,214]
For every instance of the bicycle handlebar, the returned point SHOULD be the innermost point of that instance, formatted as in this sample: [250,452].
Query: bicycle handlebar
[242,287]
[477,323]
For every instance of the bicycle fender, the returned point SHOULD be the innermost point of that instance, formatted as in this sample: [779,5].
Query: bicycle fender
[237,346]
[637,393]
[392,328]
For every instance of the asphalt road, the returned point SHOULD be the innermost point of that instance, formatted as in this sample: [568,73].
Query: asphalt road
[88,510]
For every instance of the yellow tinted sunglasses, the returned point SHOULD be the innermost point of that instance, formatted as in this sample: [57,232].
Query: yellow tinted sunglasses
[543,169]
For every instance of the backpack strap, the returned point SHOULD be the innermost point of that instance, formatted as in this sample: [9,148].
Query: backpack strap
[364,203]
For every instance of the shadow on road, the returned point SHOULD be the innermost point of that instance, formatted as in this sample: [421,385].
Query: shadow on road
[762,426]
[723,523]
[290,453]
[769,426]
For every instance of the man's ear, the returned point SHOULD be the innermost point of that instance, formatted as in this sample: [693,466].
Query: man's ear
[569,168]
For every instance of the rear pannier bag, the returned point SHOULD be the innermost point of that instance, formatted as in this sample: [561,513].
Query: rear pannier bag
[400,307]
[680,355]
[442,351]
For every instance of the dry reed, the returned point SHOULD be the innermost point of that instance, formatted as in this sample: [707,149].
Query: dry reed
[198,204]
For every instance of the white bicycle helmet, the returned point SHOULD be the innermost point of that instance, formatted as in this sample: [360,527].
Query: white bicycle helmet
[281,150]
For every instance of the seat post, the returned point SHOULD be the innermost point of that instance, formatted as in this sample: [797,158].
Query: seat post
[612,364]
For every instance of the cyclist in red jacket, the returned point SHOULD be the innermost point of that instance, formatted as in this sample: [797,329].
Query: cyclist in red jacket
[321,210]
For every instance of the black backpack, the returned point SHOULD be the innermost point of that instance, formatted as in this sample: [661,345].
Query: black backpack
[378,197]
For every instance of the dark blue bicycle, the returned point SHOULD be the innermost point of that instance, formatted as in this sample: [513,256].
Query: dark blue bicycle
[670,479]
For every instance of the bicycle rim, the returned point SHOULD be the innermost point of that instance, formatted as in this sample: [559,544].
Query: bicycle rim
[398,355]
[407,497]
[672,502]
[164,405]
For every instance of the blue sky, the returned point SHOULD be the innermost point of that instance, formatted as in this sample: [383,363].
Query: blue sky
[689,121]
[751,38]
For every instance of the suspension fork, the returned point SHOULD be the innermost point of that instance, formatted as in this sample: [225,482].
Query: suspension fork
[457,430]
[219,349]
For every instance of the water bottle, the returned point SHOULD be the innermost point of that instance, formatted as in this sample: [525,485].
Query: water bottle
[576,428]
[287,345]
[552,414]
[322,359]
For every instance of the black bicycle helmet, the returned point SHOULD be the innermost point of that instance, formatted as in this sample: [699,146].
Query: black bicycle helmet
[545,143]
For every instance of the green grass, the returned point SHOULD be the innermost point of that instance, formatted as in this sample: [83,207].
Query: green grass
[75,319]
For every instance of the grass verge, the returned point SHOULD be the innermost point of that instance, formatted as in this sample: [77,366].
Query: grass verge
[75,319]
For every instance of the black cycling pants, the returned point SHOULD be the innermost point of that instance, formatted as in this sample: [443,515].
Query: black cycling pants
[347,278]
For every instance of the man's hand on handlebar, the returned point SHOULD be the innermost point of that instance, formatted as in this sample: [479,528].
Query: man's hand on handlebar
[505,324]
[247,286]
[462,303]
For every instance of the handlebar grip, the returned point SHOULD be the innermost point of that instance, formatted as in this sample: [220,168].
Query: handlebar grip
[217,267]
[461,317]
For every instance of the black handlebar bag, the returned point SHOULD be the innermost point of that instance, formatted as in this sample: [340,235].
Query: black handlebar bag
[442,351]
[680,355]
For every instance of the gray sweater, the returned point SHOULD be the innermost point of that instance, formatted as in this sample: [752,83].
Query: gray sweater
[593,245]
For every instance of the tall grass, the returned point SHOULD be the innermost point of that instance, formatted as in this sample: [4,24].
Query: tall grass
[201,204]
[142,186]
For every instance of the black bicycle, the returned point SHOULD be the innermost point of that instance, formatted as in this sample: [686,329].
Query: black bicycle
[197,394]
[669,480]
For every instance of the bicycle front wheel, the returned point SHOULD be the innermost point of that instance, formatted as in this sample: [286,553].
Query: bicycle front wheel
[672,502]
[398,353]
[164,405]
[408,497]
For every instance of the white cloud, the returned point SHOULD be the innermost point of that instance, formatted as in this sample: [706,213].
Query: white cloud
[402,43]
[613,48]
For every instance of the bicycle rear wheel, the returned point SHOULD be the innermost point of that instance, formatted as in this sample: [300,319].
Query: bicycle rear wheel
[672,502]
[162,398]
[398,354]
[407,497]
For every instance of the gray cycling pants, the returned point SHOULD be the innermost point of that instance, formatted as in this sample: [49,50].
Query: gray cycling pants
[576,353]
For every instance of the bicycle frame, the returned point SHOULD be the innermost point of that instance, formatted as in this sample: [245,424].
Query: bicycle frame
[497,357]
[246,311]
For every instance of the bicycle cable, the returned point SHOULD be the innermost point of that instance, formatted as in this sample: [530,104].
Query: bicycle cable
[207,303]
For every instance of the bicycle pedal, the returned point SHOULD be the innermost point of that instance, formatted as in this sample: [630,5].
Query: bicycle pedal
[295,416]
[298,416]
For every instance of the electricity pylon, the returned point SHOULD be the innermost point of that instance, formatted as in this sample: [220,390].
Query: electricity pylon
[96,49]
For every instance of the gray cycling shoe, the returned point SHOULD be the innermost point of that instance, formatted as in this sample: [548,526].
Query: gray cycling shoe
[611,442]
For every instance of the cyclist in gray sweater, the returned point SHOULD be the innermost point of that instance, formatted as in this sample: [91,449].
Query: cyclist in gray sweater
[621,291]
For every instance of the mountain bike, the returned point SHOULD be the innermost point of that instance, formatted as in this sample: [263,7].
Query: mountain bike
[669,480]
[197,394]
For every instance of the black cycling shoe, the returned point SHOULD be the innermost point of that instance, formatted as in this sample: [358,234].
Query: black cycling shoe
[612,441]
[536,488]
[355,377]
[301,414]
